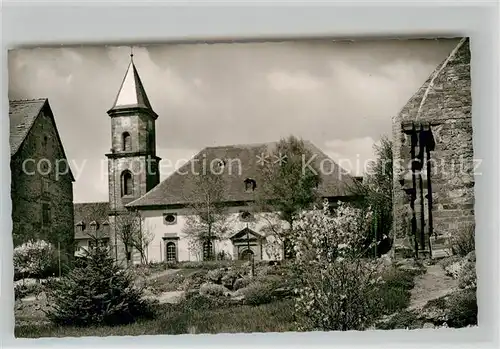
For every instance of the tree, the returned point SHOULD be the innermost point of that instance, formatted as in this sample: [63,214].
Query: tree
[376,192]
[97,292]
[208,219]
[134,234]
[287,187]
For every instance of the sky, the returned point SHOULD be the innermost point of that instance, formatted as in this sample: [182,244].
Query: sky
[339,95]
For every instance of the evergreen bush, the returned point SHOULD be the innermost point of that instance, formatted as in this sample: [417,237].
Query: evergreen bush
[97,292]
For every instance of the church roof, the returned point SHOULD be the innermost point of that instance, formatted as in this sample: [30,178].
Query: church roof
[242,162]
[131,93]
[23,114]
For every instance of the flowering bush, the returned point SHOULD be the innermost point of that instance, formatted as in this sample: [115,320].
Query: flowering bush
[337,288]
[324,237]
[34,259]
[467,278]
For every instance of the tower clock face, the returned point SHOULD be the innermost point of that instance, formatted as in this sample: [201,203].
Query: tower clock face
[126,122]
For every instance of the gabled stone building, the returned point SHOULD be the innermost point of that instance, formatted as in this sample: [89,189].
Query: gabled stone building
[42,181]
[434,180]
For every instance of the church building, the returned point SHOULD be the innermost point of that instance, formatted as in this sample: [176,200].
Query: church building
[165,207]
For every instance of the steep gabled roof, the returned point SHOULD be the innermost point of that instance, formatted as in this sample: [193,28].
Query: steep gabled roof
[242,162]
[88,212]
[22,116]
[242,234]
[412,110]
[131,93]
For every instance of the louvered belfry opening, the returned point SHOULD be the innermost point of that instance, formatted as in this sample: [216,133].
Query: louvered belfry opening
[417,183]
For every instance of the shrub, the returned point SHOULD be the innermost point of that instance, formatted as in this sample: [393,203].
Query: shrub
[99,293]
[403,320]
[230,278]
[394,292]
[215,275]
[258,293]
[337,289]
[210,289]
[462,240]
[34,259]
[22,290]
[241,283]
[207,265]
[455,269]
[198,303]
[446,262]
[467,277]
[462,308]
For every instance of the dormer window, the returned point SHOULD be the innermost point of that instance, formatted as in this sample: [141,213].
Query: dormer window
[218,165]
[250,185]
[245,216]
[94,225]
[80,226]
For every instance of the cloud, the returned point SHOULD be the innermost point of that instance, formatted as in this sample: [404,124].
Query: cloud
[223,94]
[354,155]
[293,81]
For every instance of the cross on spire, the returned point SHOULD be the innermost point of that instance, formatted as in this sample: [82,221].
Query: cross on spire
[131,52]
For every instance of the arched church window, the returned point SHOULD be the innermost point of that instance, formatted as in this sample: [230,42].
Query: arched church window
[171,252]
[127,141]
[127,183]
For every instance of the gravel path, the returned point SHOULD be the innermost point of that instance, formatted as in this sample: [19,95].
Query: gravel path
[433,284]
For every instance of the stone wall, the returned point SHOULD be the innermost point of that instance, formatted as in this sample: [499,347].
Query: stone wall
[443,103]
[40,183]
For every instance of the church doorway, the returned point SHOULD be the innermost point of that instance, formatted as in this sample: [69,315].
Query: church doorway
[246,255]
[171,252]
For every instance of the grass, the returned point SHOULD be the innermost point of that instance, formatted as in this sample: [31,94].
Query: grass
[183,319]
[395,292]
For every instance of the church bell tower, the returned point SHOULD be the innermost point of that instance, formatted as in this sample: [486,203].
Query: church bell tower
[132,161]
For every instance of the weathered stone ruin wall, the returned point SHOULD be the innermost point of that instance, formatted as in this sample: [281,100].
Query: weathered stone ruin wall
[444,103]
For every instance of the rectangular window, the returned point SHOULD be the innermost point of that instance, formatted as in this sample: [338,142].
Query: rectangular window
[45,214]
[45,185]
